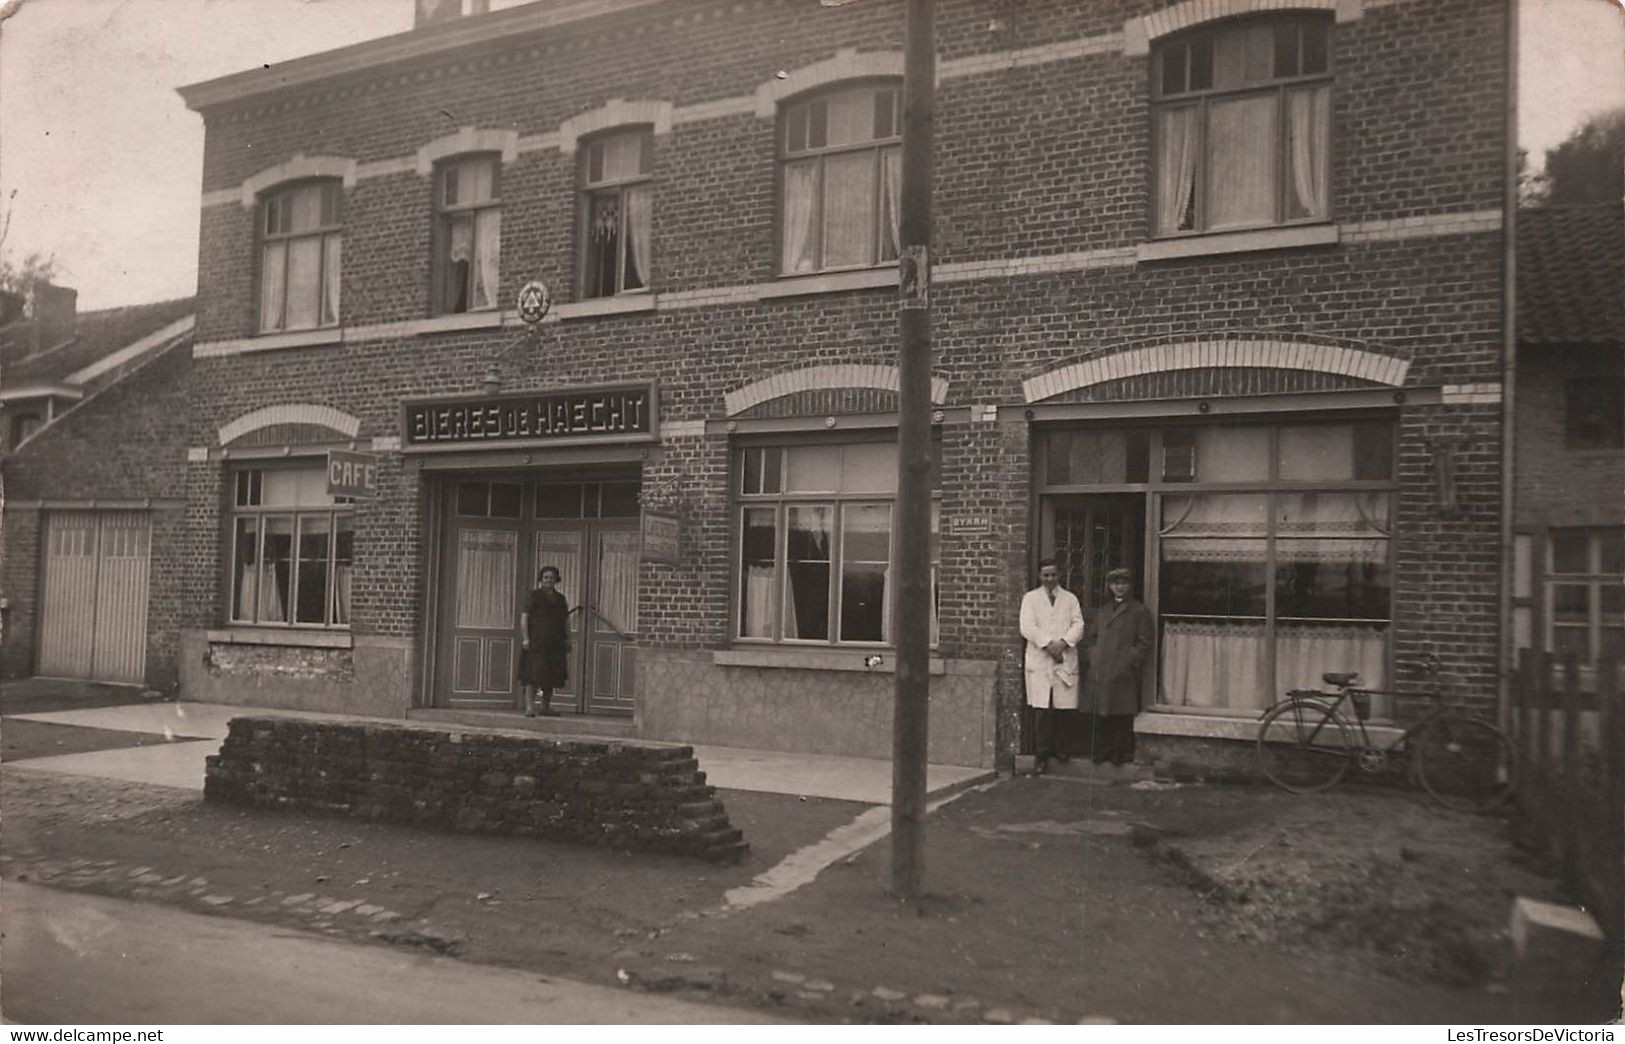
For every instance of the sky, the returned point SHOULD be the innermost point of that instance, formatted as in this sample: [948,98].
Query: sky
[101,162]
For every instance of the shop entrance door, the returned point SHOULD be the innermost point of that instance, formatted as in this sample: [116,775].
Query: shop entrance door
[598,570]
[497,534]
[1089,535]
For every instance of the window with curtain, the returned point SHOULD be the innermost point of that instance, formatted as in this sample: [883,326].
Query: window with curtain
[300,252]
[840,161]
[617,202]
[292,549]
[815,543]
[1241,125]
[1263,588]
[468,234]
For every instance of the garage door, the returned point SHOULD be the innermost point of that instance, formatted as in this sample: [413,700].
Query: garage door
[94,623]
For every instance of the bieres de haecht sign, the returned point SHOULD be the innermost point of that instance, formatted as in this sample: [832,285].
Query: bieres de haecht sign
[534,418]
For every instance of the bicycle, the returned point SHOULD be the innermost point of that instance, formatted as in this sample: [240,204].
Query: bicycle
[1305,744]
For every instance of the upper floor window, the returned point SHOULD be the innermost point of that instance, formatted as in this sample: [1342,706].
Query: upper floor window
[1594,413]
[617,207]
[1242,125]
[841,162]
[300,244]
[469,234]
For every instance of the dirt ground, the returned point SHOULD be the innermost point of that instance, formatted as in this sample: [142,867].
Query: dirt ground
[1047,899]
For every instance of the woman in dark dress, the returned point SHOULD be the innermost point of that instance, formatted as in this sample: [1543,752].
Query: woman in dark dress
[544,661]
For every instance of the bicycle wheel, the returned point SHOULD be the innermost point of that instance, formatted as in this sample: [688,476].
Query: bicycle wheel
[1466,764]
[1304,746]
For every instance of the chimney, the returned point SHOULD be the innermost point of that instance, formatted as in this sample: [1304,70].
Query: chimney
[429,12]
[55,313]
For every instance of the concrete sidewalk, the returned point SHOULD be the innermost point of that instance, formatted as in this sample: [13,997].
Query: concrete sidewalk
[198,728]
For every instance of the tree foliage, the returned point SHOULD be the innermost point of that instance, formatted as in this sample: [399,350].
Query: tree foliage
[1587,168]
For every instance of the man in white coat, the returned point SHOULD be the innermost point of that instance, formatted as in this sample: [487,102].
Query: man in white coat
[1052,623]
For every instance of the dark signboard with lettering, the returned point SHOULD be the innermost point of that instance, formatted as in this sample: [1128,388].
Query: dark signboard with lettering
[539,417]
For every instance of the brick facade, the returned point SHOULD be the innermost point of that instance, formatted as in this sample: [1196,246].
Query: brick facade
[1042,174]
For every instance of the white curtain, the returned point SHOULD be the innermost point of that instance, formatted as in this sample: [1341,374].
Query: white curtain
[485,578]
[1332,527]
[1214,664]
[849,209]
[1176,175]
[618,580]
[1308,118]
[304,282]
[341,592]
[488,237]
[1303,652]
[639,211]
[891,174]
[273,285]
[800,186]
[757,619]
[1241,162]
[330,278]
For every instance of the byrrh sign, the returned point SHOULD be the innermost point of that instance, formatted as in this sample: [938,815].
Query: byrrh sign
[586,415]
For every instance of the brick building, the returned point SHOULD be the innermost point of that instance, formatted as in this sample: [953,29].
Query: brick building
[92,460]
[1217,295]
[1569,575]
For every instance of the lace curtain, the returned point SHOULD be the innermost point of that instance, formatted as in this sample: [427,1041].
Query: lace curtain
[1308,119]
[800,242]
[639,210]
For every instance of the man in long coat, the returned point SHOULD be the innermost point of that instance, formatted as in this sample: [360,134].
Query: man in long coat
[1052,623]
[1120,638]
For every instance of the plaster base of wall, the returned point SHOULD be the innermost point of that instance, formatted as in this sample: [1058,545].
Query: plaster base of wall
[373,679]
[684,697]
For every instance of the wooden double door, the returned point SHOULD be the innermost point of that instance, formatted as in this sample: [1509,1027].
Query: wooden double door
[494,543]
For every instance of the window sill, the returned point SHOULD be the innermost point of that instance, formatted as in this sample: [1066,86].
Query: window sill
[1238,242]
[829,282]
[296,339]
[281,636]
[806,659]
[480,320]
[1203,726]
[622,304]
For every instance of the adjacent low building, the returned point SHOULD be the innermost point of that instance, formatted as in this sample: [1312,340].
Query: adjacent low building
[1217,295]
[93,409]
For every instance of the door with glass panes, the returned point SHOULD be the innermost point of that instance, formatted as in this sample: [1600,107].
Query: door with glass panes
[499,536]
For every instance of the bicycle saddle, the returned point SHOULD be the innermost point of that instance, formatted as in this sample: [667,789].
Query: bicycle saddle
[1341,678]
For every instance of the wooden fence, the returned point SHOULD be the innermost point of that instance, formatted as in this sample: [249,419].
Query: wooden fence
[1569,729]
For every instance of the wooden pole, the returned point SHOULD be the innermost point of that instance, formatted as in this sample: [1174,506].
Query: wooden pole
[911,611]
[1572,817]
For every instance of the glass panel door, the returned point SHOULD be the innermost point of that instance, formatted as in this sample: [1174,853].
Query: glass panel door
[560,545]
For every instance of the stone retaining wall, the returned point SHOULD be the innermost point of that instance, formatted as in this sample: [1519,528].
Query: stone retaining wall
[625,795]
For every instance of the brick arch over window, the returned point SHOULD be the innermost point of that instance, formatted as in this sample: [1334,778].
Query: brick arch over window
[815,378]
[847,64]
[297,169]
[1229,353]
[1141,31]
[468,139]
[303,414]
[614,113]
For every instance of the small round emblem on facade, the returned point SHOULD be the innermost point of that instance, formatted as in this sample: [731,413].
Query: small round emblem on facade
[534,302]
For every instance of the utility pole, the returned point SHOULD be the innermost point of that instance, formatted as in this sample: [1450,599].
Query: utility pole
[911,612]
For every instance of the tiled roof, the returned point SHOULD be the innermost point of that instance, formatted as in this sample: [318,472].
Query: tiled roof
[1571,275]
[97,335]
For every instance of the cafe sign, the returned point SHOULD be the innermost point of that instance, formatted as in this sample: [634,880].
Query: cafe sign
[352,474]
[538,418]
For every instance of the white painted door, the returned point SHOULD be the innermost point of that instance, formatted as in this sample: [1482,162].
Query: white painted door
[94,612]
